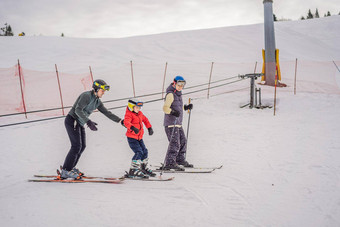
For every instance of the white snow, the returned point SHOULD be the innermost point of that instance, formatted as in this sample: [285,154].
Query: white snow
[278,170]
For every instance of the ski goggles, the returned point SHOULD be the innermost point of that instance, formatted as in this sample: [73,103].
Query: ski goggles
[139,104]
[181,83]
[104,87]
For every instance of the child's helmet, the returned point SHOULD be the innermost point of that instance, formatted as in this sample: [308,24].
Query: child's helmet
[134,102]
[100,84]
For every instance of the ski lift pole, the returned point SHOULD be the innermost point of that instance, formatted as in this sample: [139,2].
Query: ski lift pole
[167,152]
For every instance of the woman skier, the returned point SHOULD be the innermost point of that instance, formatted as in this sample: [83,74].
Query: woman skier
[173,117]
[75,121]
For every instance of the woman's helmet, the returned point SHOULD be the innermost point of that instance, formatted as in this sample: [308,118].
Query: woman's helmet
[179,80]
[100,84]
[134,102]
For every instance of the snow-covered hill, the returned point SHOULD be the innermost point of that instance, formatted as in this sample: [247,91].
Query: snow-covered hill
[278,170]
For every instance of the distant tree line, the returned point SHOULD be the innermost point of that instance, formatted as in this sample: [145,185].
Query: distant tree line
[7,31]
[310,15]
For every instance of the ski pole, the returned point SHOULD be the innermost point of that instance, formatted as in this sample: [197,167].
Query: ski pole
[186,148]
[167,152]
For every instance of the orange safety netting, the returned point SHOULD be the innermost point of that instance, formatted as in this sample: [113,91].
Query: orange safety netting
[39,90]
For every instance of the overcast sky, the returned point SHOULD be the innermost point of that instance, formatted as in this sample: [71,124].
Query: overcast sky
[123,18]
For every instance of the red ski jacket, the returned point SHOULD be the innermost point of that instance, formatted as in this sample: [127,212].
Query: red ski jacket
[137,120]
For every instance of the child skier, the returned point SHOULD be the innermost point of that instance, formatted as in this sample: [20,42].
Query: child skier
[133,121]
[173,117]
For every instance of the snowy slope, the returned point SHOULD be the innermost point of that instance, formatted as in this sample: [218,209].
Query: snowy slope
[278,170]
[306,40]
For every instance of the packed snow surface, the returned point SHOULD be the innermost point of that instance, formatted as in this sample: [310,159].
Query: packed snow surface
[280,170]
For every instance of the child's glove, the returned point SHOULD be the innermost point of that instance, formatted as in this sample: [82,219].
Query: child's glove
[188,107]
[150,131]
[174,113]
[136,130]
[92,125]
[122,123]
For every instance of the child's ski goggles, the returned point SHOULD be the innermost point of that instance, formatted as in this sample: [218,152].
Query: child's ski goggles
[139,103]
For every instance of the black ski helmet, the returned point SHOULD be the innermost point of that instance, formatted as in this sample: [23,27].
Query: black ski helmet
[100,84]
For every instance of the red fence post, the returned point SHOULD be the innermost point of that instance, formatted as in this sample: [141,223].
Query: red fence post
[22,92]
[295,77]
[61,96]
[166,66]
[133,81]
[91,74]
[211,69]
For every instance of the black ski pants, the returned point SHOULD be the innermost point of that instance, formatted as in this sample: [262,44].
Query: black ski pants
[77,136]
[177,145]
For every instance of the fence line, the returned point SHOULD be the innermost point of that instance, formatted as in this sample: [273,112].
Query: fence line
[112,108]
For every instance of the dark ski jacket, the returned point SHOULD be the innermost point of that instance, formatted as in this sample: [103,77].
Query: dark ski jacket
[85,104]
[177,104]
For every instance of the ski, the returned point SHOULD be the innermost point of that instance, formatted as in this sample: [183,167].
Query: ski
[198,167]
[83,177]
[159,178]
[186,171]
[77,181]
[107,178]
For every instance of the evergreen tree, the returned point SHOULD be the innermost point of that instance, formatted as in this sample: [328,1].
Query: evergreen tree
[62,34]
[310,15]
[303,18]
[274,17]
[7,30]
[328,14]
[317,13]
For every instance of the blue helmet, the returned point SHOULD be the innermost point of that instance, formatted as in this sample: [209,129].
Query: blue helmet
[179,78]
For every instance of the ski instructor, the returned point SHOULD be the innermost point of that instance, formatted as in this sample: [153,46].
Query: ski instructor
[173,117]
[75,121]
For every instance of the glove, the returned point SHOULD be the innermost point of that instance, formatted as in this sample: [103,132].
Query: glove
[122,123]
[188,107]
[92,125]
[174,113]
[136,130]
[150,131]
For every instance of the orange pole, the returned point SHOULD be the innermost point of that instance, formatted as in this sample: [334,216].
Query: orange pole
[60,93]
[91,74]
[295,77]
[211,69]
[22,92]
[133,81]
[166,66]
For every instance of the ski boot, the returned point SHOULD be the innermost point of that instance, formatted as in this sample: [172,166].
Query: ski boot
[185,164]
[78,171]
[145,168]
[174,166]
[64,174]
[135,170]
